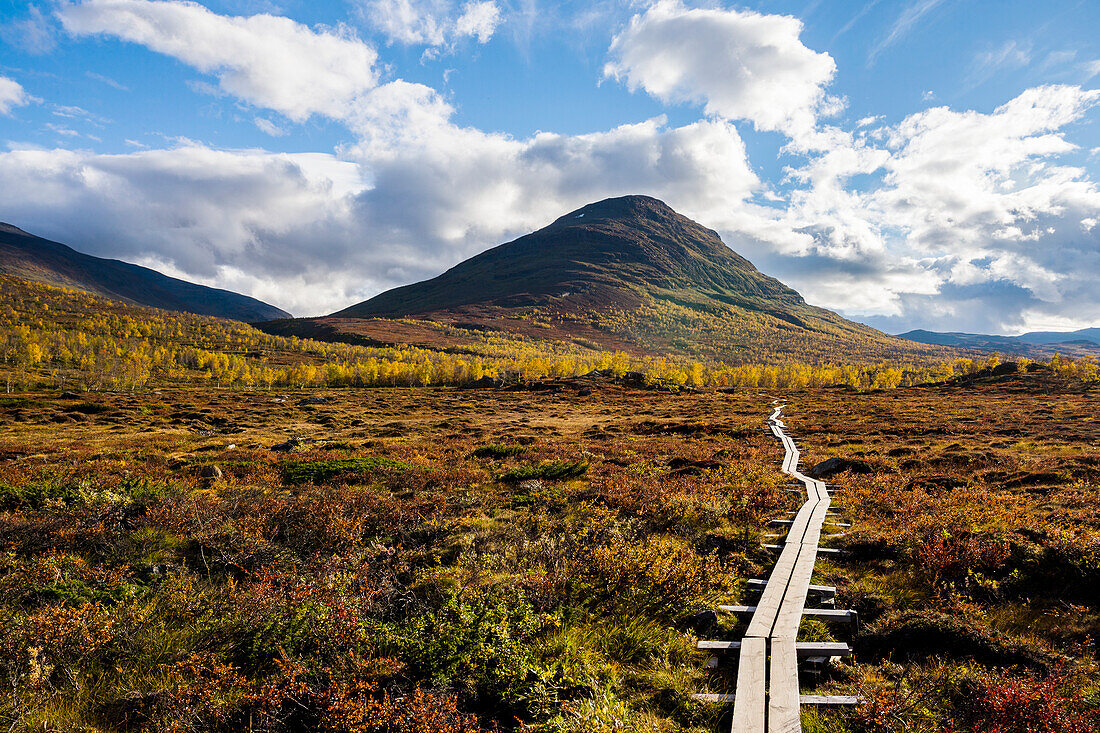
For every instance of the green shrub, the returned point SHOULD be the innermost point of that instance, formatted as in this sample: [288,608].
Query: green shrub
[38,495]
[480,642]
[304,472]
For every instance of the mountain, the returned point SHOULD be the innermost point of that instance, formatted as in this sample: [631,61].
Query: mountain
[1060,337]
[33,258]
[625,274]
[1037,344]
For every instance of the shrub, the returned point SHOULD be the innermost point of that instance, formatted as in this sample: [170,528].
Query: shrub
[662,576]
[479,642]
[303,472]
[353,708]
[1050,703]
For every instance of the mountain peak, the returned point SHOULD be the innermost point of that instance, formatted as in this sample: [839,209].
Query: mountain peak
[635,206]
[603,254]
[626,273]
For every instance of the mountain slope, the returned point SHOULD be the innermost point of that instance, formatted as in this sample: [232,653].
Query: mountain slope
[626,273]
[591,255]
[33,258]
[1061,337]
[1038,344]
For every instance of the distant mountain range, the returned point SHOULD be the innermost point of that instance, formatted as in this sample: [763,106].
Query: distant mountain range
[625,274]
[1035,343]
[33,258]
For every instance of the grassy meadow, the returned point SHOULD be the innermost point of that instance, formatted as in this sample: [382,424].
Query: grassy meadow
[207,528]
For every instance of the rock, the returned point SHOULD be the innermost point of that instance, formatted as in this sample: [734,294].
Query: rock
[836,464]
[717,544]
[318,400]
[703,623]
[288,446]
[69,396]
[212,473]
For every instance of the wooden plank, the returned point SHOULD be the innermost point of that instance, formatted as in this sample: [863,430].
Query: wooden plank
[712,697]
[749,698]
[822,649]
[825,590]
[772,597]
[803,649]
[828,699]
[798,587]
[824,614]
[783,691]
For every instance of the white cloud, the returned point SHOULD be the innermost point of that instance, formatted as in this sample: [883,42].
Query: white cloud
[286,219]
[107,80]
[478,20]
[12,95]
[949,218]
[738,64]
[315,233]
[266,60]
[268,127]
[968,208]
[432,22]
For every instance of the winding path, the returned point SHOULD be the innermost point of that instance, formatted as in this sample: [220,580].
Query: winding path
[767,696]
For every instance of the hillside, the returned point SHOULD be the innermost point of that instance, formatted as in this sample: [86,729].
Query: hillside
[1037,344]
[34,258]
[626,273]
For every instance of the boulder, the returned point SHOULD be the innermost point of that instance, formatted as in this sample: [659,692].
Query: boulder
[288,446]
[211,473]
[704,623]
[836,464]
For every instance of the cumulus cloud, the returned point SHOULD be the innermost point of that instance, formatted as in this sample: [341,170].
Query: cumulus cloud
[267,60]
[965,203]
[738,64]
[197,211]
[913,224]
[432,22]
[12,95]
[312,233]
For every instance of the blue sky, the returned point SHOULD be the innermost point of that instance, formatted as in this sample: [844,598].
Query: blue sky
[923,163]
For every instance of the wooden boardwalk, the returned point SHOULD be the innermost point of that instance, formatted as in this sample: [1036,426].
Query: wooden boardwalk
[767,696]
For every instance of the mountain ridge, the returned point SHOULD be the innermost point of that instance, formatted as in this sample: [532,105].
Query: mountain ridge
[35,258]
[1039,344]
[626,273]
